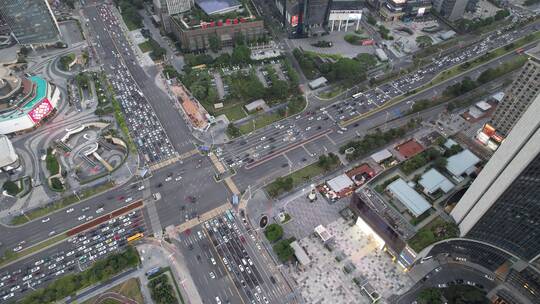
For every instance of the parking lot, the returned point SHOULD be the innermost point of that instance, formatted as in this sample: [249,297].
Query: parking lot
[227,262]
[75,254]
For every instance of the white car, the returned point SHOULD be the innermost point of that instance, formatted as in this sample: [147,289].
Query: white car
[99,210]
[9,295]
[141,187]
[52,233]
[17,249]
[70,253]
[70,210]
[45,220]
[91,217]
[37,263]
[129,199]
[213,261]
[168,179]
[218,301]
[241,267]
[52,266]
[82,217]
[212,275]
[178,178]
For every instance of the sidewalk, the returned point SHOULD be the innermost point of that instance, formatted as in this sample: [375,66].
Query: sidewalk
[179,270]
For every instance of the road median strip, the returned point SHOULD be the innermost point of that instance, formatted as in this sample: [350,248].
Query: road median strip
[11,258]
[430,85]
[287,148]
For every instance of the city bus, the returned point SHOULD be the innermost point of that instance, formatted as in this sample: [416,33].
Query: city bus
[357,95]
[135,237]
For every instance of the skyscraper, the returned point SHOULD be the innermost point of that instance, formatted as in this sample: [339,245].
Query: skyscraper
[450,9]
[517,99]
[166,8]
[502,206]
[30,21]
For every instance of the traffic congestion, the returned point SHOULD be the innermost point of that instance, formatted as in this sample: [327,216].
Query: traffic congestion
[297,128]
[75,254]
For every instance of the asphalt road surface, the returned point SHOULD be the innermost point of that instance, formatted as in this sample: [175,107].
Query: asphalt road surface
[446,274]
[295,129]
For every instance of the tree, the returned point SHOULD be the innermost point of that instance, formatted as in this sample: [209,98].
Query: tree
[440,163]
[501,14]
[241,55]
[273,232]
[429,296]
[424,41]
[366,60]
[214,43]
[11,188]
[279,89]
[371,20]
[283,250]
[233,130]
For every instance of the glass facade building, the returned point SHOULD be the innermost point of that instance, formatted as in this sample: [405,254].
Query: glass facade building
[513,221]
[30,21]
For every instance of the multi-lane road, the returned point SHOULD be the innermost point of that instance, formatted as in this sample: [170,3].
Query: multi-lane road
[187,187]
[294,130]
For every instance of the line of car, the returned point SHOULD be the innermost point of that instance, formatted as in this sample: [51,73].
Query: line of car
[229,243]
[78,251]
[148,134]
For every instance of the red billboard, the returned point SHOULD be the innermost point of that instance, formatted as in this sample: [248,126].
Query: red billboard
[40,111]
[488,130]
[294,20]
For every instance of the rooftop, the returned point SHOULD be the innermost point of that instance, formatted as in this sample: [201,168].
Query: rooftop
[461,162]
[346,5]
[7,153]
[381,155]
[300,253]
[409,148]
[433,180]
[213,7]
[340,182]
[415,202]
[40,87]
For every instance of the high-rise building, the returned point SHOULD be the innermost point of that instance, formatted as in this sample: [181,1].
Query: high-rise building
[522,92]
[164,9]
[450,9]
[498,216]
[501,207]
[305,17]
[30,21]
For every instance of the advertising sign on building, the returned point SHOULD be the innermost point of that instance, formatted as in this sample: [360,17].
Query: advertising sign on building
[40,111]
[294,20]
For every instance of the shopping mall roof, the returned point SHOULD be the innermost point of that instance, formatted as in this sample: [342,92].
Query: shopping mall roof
[300,253]
[462,162]
[40,93]
[409,148]
[7,153]
[212,7]
[339,183]
[415,202]
[433,180]
[381,155]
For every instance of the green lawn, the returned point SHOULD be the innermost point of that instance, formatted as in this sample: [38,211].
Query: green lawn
[233,113]
[300,176]
[11,256]
[130,288]
[145,46]
[260,122]
[435,231]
